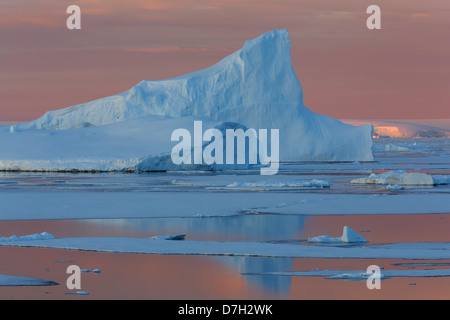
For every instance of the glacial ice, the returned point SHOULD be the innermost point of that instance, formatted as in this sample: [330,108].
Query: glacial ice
[403,178]
[31,237]
[348,236]
[255,87]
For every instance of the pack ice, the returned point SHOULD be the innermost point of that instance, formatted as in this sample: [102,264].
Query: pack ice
[255,87]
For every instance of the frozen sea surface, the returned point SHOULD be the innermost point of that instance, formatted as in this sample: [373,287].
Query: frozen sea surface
[236,217]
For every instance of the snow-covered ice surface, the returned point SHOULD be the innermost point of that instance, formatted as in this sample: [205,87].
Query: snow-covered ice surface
[429,250]
[138,144]
[299,188]
[258,216]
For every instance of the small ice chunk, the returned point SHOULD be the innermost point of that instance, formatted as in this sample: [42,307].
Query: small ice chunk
[91,271]
[80,293]
[350,276]
[394,187]
[393,147]
[314,183]
[348,236]
[411,178]
[17,281]
[402,178]
[441,179]
[170,237]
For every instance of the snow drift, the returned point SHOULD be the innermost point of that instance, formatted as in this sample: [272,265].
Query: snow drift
[256,87]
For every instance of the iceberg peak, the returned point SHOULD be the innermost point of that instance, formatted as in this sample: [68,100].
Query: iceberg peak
[278,38]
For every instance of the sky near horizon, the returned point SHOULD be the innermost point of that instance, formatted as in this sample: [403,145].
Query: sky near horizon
[346,70]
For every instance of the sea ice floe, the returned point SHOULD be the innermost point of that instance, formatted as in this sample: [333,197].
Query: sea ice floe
[79,293]
[277,184]
[16,281]
[403,178]
[91,271]
[37,236]
[359,275]
[170,237]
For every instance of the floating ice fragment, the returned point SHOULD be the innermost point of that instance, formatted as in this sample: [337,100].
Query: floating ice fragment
[402,178]
[315,183]
[37,236]
[170,237]
[348,236]
[91,271]
[394,187]
[17,281]
[80,293]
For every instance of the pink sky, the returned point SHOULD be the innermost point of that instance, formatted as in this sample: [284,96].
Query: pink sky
[347,71]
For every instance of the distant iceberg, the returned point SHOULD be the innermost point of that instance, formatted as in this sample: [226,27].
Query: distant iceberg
[348,236]
[255,87]
[405,128]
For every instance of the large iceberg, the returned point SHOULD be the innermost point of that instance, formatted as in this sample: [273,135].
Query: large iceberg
[255,87]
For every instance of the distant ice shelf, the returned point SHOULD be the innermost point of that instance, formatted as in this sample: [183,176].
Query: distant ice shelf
[407,128]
